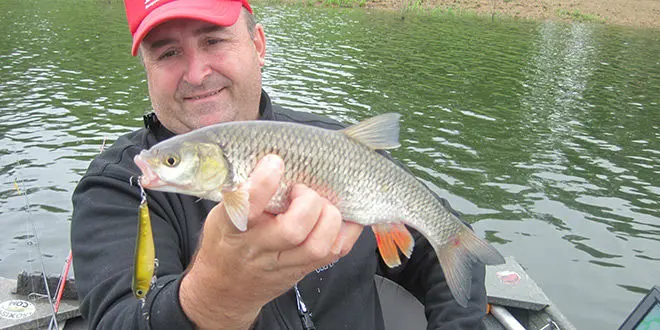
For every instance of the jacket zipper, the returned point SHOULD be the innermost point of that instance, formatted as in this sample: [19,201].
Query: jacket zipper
[304,313]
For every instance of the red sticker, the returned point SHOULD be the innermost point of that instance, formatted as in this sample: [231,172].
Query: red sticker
[508,277]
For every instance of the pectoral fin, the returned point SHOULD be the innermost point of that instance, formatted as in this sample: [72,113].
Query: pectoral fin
[389,236]
[237,206]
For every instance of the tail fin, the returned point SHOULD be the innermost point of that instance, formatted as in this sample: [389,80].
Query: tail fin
[457,257]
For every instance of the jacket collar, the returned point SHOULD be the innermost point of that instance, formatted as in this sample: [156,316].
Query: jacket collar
[265,107]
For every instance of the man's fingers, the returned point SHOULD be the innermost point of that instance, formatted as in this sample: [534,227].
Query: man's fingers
[263,183]
[301,217]
[291,228]
[316,250]
[348,235]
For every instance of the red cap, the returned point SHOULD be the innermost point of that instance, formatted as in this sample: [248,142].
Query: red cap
[144,15]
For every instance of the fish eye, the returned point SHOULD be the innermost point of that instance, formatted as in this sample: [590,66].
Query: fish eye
[172,160]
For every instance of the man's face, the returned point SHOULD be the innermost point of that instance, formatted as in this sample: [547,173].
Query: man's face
[201,74]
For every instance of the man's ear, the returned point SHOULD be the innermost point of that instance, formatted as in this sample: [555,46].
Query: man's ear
[260,43]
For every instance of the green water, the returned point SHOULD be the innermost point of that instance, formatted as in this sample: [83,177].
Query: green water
[544,135]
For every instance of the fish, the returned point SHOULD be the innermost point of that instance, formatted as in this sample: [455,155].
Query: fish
[145,262]
[342,166]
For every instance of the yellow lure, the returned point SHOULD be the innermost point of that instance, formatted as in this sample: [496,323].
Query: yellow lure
[145,253]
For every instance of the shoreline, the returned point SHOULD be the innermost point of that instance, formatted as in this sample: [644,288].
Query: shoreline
[631,13]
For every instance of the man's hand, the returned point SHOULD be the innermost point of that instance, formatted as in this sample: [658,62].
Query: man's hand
[235,273]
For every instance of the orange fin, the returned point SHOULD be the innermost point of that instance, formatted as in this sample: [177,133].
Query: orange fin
[389,236]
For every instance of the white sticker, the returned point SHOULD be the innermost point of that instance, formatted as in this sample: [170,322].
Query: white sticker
[16,309]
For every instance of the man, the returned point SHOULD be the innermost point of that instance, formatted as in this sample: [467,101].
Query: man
[203,61]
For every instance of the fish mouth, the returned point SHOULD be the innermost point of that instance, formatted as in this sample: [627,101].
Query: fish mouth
[149,178]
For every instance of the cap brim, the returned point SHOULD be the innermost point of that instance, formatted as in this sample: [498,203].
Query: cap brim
[223,13]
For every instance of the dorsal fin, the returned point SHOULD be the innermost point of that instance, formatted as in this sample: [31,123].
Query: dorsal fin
[379,132]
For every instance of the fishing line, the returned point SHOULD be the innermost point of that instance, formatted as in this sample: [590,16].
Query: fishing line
[551,325]
[64,274]
[36,244]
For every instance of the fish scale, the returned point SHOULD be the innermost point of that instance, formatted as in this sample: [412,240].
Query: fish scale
[341,166]
[341,175]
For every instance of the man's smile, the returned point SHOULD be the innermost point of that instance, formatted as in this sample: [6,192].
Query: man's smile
[202,95]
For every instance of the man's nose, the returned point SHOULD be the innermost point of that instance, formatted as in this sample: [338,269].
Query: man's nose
[197,69]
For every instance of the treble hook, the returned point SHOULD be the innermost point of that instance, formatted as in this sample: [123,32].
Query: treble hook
[135,181]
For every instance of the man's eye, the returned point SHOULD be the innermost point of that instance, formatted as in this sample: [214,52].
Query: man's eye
[213,41]
[168,53]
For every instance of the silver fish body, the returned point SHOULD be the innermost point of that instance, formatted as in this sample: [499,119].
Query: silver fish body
[365,186]
[341,166]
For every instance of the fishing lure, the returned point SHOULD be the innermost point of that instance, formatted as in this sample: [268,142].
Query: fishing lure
[145,262]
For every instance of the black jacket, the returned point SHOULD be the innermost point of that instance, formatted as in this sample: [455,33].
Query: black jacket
[340,296]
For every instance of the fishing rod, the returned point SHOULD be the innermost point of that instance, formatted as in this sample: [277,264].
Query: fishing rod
[64,274]
[60,289]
